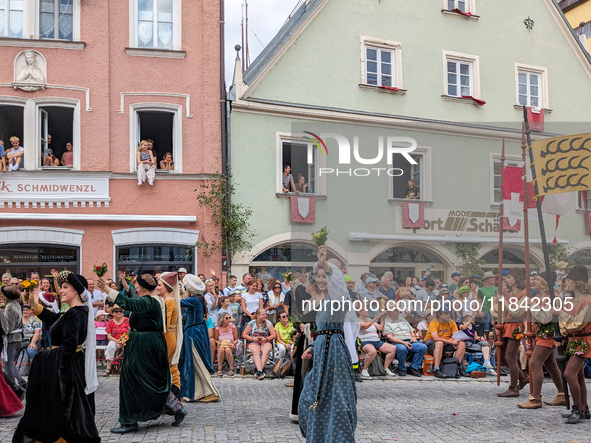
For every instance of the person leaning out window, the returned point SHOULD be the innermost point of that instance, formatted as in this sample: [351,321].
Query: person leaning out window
[146,168]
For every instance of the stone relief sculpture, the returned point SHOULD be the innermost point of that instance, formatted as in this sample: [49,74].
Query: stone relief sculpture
[30,77]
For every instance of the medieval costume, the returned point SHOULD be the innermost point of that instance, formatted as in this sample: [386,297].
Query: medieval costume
[62,381]
[9,402]
[195,360]
[575,324]
[13,328]
[174,328]
[513,332]
[543,353]
[327,410]
[145,380]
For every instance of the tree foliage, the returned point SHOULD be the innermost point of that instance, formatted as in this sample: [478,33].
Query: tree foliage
[231,218]
[470,257]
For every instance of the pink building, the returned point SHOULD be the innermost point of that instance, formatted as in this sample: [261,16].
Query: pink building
[104,75]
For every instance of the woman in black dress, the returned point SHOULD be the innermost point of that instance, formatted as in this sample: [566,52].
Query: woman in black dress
[62,381]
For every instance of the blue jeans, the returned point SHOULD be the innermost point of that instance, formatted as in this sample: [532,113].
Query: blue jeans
[417,349]
[31,352]
[487,322]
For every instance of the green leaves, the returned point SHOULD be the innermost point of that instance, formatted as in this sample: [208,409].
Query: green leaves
[231,218]
[470,256]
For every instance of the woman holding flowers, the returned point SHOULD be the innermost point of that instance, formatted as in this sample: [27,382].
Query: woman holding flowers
[575,324]
[514,329]
[62,381]
[327,409]
[543,354]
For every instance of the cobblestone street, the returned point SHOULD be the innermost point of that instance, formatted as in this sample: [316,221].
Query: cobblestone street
[388,411]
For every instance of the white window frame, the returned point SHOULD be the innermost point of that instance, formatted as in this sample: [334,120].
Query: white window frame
[176,26]
[474,60]
[76,139]
[31,21]
[280,138]
[543,73]
[580,205]
[177,132]
[510,160]
[426,181]
[394,47]
[470,6]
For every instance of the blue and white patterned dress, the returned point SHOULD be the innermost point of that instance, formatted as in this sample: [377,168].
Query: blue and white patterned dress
[334,419]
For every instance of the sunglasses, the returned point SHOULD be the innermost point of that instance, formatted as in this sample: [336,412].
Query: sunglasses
[116,311]
[227,318]
[277,287]
[283,316]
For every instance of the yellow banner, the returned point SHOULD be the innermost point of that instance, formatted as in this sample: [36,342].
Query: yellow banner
[563,164]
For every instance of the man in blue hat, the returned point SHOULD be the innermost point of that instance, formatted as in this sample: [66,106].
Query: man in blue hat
[455,277]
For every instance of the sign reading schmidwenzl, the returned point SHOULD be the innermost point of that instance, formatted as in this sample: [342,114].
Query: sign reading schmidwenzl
[32,187]
[455,221]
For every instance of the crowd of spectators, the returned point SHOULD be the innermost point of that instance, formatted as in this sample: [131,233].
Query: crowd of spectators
[255,317]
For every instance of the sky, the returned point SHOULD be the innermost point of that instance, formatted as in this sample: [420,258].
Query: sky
[265,17]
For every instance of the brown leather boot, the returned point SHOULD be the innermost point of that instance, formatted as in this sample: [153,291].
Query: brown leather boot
[523,381]
[511,392]
[560,400]
[532,403]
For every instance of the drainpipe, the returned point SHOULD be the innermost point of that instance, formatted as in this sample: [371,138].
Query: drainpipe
[223,115]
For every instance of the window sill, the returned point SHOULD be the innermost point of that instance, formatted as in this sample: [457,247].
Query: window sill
[407,200]
[451,98]
[496,206]
[457,14]
[293,194]
[581,210]
[42,43]
[149,52]
[382,89]
[520,108]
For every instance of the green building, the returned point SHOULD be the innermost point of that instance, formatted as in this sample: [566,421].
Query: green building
[446,78]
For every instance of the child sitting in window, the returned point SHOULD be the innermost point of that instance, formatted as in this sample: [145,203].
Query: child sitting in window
[146,169]
[15,155]
[412,191]
[49,159]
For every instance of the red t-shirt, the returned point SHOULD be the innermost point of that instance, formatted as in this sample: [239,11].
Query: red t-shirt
[116,330]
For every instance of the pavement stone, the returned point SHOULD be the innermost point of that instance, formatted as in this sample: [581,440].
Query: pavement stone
[392,410]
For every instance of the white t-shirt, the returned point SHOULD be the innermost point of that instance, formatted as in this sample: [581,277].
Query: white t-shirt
[19,163]
[252,301]
[275,300]
[96,296]
[369,334]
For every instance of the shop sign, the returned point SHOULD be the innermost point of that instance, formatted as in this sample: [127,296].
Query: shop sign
[455,221]
[39,187]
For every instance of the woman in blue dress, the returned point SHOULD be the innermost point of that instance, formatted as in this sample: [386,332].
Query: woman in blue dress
[195,362]
[327,411]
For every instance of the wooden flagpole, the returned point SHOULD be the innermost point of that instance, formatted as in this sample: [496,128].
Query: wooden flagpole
[499,325]
[530,333]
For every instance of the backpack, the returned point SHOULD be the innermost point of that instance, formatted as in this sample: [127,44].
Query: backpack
[283,368]
[450,367]
[376,368]
[587,368]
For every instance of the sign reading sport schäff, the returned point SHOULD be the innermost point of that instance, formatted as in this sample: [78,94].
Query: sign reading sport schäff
[455,221]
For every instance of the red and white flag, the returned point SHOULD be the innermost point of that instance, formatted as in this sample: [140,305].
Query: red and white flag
[303,210]
[513,194]
[535,118]
[413,215]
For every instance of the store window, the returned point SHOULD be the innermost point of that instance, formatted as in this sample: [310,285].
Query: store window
[407,262]
[294,257]
[154,259]
[511,259]
[21,260]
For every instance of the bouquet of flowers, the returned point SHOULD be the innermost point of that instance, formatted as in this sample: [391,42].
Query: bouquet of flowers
[100,270]
[518,333]
[577,347]
[320,237]
[545,331]
[124,338]
[287,276]
[28,286]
